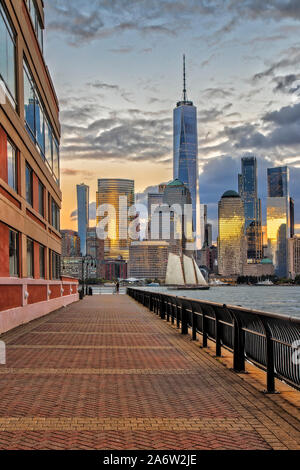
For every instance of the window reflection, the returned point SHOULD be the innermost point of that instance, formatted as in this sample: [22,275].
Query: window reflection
[7,56]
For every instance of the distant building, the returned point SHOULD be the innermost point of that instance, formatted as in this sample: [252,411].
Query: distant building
[185,153]
[95,249]
[263,268]
[207,257]
[110,190]
[70,243]
[292,217]
[231,239]
[252,208]
[148,260]
[83,214]
[113,269]
[294,256]
[278,218]
[73,267]
[168,220]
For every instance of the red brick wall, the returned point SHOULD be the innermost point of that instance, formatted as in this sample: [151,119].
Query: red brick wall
[36,293]
[3,155]
[10,297]
[4,251]
[55,291]
[66,289]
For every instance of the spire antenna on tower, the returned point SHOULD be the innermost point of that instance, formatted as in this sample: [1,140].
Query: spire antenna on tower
[184,80]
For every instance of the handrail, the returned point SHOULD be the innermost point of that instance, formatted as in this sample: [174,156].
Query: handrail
[268,340]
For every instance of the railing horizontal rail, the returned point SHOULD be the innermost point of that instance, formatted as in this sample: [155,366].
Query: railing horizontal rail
[270,341]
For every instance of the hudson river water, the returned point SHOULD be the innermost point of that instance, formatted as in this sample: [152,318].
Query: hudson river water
[274,299]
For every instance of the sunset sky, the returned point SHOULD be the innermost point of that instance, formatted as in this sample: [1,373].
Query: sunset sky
[117,69]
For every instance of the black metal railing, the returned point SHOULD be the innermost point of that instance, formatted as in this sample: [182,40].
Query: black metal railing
[269,341]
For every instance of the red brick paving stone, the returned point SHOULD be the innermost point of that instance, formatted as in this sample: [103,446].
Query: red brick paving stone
[129,440]
[86,339]
[230,414]
[112,395]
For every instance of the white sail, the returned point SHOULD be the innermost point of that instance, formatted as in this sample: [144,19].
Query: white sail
[174,275]
[189,271]
[200,279]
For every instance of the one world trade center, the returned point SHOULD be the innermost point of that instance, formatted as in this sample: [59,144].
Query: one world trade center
[185,157]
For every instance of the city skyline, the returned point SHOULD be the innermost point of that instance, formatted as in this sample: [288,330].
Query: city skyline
[246,91]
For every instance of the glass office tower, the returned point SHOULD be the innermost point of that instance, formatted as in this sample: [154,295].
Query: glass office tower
[83,214]
[110,190]
[252,206]
[278,218]
[231,238]
[185,154]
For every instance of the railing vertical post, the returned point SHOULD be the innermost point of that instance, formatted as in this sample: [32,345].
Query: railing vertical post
[168,310]
[172,312]
[162,308]
[204,332]
[184,320]
[269,357]
[238,342]
[194,323]
[217,334]
[177,315]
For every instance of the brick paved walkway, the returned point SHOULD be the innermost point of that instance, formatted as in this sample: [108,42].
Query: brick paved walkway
[105,373]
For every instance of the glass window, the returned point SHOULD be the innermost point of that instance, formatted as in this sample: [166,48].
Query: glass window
[42,262]
[13,253]
[29,104]
[55,215]
[35,21]
[30,258]
[38,125]
[7,55]
[12,170]
[55,265]
[41,199]
[56,160]
[29,195]
[48,145]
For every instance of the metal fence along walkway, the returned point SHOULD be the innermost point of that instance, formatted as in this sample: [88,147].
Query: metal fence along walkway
[271,341]
[106,373]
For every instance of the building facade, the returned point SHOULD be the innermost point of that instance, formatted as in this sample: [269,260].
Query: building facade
[278,218]
[185,154]
[30,196]
[148,260]
[294,256]
[252,207]
[118,195]
[83,192]
[70,243]
[231,239]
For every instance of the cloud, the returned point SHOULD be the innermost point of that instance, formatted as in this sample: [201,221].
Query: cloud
[287,83]
[136,136]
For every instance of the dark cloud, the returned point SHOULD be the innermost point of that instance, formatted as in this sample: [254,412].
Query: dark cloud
[291,59]
[287,83]
[286,115]
[136,137]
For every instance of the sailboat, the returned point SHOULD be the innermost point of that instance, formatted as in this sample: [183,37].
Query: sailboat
[183,273]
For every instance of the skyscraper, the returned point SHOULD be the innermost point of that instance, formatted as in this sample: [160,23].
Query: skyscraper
[109,192]
[185,152]
[278,218]
[231,239]
[83,214]
[252,207]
